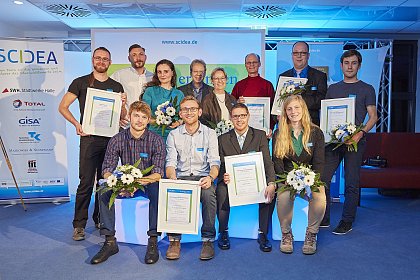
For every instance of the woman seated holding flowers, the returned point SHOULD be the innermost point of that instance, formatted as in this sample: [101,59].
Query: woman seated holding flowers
[299,142]
[163,89]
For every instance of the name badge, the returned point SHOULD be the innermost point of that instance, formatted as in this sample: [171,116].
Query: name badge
[251,152]
[352,95]
[109,90]
[200,149]
[310,144]
[144,155]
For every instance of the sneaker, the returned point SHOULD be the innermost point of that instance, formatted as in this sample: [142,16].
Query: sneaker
[152,252]
[78,234]
[207,251]
[325,224]
[286,244]
[109,248]
[309,246]
[343,228]
[174,250]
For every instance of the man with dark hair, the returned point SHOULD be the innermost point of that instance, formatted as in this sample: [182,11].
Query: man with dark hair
[135,77]
[197,87]
[92,147]
[243,139]
[192,154]
[317,80]
[130,145]
[254,85]
[352,87]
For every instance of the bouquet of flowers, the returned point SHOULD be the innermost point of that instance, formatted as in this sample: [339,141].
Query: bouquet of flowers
[167,113]
[124,178]
[290,88]
[301,181]
[342,133]
[222,127]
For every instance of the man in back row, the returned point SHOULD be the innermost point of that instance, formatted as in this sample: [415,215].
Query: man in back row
[197,87]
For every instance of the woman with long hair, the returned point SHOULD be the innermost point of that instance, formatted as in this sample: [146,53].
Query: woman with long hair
[298,140]
[218,104]
[162,88]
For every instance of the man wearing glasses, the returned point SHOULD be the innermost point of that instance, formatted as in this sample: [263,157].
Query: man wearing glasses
[92,147]
[197,87]
[254,85]
[192,154]
[317,80]
[241,140]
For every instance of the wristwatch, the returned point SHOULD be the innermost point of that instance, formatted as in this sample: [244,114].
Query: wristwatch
[364,132]
[211,178]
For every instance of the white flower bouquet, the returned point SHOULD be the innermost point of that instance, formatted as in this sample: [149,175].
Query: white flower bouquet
[300,181]
[166,114]
[222,127]
[343,133]
[123,179]
[290,88]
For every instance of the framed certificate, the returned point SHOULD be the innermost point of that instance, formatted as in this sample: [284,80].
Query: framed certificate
[102,112]
[247,179]
[334,112]
[179,206]
[282,86]
[259,111]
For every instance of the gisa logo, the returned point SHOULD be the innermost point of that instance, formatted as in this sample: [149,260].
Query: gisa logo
[17,103]
[29,121]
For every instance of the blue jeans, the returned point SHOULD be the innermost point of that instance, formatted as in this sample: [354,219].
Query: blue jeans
[107,216]
[208,203]
[352,163]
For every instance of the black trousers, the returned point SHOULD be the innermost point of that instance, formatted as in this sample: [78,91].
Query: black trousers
[92,153]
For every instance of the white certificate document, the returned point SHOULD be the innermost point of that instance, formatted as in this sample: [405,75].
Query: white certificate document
[179,206]
[259,112]
[102,112]
[334,112]
[281,86]
[247,179]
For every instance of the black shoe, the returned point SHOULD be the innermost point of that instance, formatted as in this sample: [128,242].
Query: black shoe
[343,228]
[152,253]
[223,241]
[265,245]
[325,223]
[109,248]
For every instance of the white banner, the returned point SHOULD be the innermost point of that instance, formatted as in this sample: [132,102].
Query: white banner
[34,134]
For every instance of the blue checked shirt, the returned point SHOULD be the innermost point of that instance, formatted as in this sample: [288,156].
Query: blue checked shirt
[150,147]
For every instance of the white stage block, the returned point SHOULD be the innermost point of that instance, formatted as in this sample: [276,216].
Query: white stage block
[132,220]
[243,221]
[299,221]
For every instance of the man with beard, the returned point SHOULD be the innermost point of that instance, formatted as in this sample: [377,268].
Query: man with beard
[92,148]
[197,87]
[135,77]
[130,145]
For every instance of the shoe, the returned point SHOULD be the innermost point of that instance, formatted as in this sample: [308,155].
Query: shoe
[325,223]
[207,251]
[152,252]
[343,228]
[223,241]
[309,246]
[174,250]
[98,225]
[265,245]
[286,244]
[109,248]
[78,234]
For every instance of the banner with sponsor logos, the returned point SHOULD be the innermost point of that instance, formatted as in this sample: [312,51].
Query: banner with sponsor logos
[33,132]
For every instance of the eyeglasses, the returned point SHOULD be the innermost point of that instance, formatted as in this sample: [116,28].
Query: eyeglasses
[241,116]
[188,110]
[219,79]
[98,58]
[251,62]
[300,53]
[198,72]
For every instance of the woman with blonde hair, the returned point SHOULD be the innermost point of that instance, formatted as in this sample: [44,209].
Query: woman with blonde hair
[298,140]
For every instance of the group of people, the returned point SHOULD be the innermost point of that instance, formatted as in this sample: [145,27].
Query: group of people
[190,149]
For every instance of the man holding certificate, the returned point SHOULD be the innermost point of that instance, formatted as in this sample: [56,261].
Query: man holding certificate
[243,139]
[92,147]
[364,94]
[192,154]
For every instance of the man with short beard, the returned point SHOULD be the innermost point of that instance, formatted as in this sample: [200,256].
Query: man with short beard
[92,147]
[135,77]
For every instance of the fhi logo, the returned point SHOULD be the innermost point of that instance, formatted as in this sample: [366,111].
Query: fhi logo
[27,56]
[32,166]
[29,121]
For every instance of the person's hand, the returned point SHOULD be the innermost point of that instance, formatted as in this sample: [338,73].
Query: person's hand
[79,130]
[125,193]
[241,99]
[144,181]
[269,193]
[355,139]
[226,178]
[205,182]
[175,124]
[124,122]
[124,98]
[269,134]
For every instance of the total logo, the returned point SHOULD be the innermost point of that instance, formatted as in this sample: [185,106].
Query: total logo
[30,105]
[29,121]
